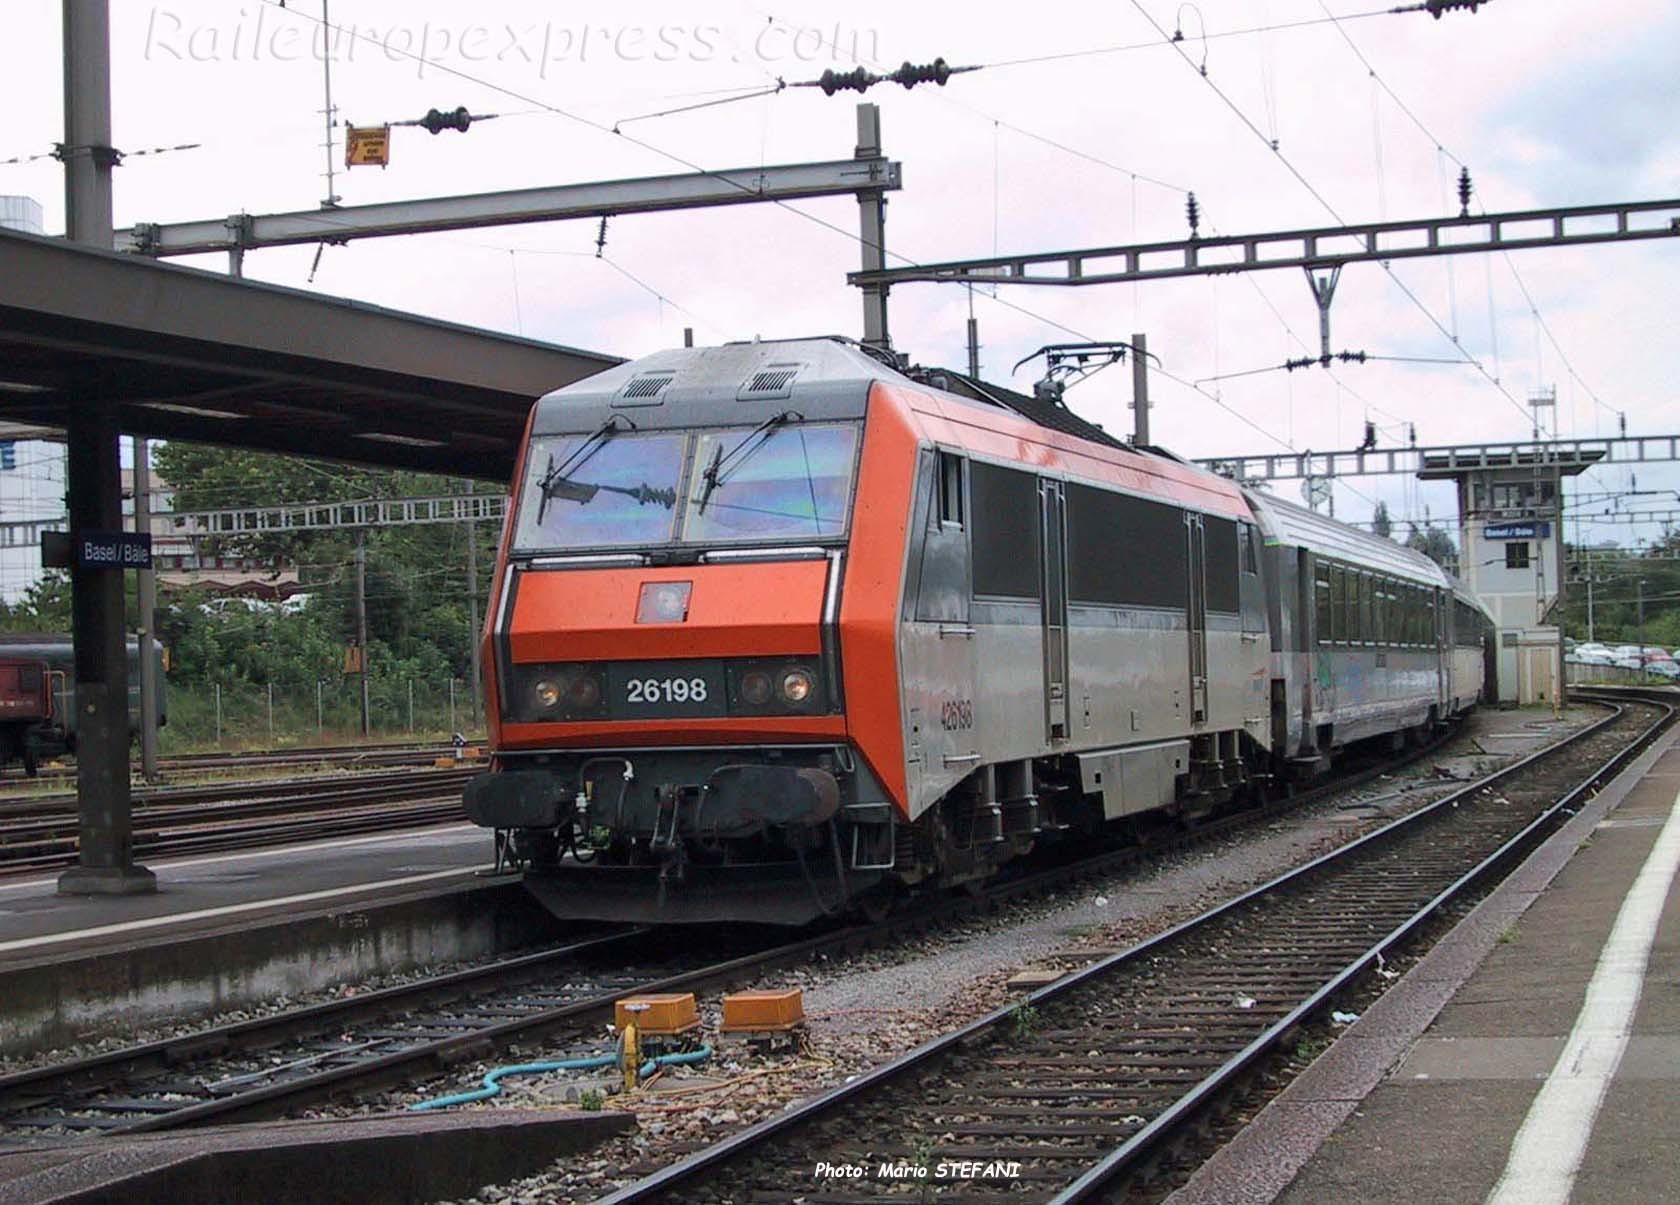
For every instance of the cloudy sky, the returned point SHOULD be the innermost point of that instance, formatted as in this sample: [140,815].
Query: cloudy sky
[1085,127]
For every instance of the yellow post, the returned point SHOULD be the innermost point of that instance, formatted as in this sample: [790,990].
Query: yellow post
[630,1049]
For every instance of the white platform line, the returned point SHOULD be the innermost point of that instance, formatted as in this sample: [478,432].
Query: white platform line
[1547,1151]
[175,918]
[271,851]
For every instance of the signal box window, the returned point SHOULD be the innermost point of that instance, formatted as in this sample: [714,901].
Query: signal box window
[1516,555]
[950,489]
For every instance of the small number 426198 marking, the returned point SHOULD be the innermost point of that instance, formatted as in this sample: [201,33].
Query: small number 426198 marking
[665,690]
[956,714]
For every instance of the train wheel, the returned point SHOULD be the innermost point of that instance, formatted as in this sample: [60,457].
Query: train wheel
[875,906]
[31,762]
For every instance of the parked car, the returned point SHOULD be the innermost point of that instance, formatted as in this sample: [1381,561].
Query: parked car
[1592,646]
[1664,669]
[1630,661]
[1597,656]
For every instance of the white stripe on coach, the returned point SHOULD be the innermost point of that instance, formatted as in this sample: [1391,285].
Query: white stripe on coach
[1547,1152]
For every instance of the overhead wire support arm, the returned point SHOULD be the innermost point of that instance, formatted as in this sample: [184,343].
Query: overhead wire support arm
[1445,460]
[864,175]
[1322,248]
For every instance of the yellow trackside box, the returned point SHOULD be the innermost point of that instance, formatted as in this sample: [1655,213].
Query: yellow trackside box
[656,1015]
[763,1012]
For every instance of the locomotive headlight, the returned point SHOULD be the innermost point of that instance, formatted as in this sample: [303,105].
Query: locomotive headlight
[546,691]
[755,688]
[796,685]
[585,693]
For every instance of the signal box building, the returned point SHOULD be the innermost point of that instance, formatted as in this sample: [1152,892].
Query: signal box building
[1510,507]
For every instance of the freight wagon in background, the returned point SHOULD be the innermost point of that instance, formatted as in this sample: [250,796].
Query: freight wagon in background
[38,672]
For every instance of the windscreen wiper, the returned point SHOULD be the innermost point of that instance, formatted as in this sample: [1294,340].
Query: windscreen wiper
[725,463]
[557,480]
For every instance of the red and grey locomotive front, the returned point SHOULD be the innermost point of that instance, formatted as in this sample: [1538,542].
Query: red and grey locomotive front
[665,653]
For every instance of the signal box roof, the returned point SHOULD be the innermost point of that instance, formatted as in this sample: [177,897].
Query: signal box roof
[188,354]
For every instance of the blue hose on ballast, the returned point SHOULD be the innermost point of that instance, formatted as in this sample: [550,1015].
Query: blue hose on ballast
[681,1059]
[493,1079]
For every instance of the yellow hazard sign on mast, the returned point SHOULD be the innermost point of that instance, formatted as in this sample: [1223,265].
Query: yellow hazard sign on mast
[367,146]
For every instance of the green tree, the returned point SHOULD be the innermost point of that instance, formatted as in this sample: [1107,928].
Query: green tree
[1434,543]
[1380,522]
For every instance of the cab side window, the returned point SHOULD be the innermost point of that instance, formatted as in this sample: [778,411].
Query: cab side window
[951,489]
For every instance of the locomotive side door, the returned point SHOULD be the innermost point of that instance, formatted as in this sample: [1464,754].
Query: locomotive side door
[1196,615]
[1053,538]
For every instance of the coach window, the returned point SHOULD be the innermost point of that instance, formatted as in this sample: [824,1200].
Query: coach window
[1322,606]
[1516,555]
[1338,610]
[1367,623]
[950,489]
[1250,554]
[1350,606]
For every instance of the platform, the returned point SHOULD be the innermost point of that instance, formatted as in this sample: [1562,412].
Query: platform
[208,891]
[1532,1056]
[231,931]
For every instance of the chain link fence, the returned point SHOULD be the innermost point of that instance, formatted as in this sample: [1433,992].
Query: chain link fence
[247,715]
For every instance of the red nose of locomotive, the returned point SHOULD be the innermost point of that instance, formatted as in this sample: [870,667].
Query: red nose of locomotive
[705,653]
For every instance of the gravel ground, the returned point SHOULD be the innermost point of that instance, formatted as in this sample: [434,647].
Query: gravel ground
[865,1010]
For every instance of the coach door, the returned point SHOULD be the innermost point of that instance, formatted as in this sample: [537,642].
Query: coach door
[1053,534]
[1196,614]
[1443,646]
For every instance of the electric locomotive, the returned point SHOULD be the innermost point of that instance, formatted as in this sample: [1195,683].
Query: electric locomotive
[55,653]
[28,720]
[780,631]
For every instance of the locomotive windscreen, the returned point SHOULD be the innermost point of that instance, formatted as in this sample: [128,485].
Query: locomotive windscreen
[615,489]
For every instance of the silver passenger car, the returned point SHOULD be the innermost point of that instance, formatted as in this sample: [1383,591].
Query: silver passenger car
[1368,636]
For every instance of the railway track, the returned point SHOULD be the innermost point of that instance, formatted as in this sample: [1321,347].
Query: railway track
[1088,1082]
[409,753]
[41,833]
[270,1065]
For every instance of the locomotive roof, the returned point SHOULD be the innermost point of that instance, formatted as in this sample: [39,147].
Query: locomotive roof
[830,378]
[831,375]
[1285,523]
[821,378]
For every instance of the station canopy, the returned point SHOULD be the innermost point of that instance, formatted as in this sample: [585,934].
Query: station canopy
[187,354]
